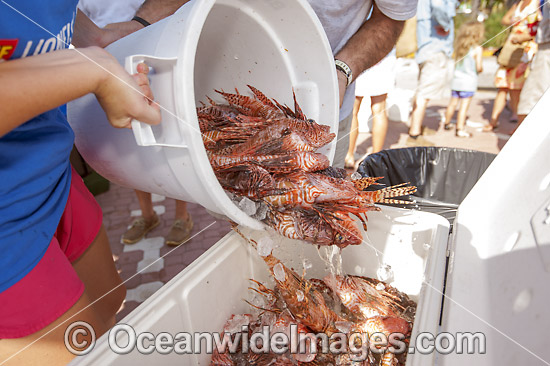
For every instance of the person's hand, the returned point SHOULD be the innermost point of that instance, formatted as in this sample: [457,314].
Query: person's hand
[514,39]
[125,97]
[441,31]
[519,38]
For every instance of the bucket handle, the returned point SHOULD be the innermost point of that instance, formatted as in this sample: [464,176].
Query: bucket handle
[161,80]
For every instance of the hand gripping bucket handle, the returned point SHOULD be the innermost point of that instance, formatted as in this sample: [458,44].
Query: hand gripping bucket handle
[161,74]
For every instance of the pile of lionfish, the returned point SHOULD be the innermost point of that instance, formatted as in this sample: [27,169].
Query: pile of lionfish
[336,305]
[266,152]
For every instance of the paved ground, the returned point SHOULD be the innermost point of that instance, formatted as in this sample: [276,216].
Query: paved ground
[149,264]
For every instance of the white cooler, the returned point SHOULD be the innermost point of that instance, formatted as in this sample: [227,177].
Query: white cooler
[497,279]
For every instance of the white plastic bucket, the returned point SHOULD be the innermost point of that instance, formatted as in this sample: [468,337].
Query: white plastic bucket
[274,45]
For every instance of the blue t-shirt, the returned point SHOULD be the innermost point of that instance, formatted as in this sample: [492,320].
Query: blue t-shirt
[429,15]
[35,173]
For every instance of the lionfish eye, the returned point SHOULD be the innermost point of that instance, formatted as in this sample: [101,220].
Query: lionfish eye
[339,237]
[311,120]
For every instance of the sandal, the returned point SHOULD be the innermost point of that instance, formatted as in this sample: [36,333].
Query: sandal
[462,133]
[489,128]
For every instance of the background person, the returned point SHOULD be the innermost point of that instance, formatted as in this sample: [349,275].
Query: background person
[468,63]
[539,77]
[524,16]
[435,35]
[375,83]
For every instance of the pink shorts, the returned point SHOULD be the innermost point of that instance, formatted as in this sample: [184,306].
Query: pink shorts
[53,287]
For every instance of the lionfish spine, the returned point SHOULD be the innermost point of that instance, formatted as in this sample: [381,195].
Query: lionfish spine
[394,191]
[387,359]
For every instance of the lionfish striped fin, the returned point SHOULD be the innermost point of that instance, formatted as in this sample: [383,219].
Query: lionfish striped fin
[365,182]
[395,202]
[395,191]
[297,110]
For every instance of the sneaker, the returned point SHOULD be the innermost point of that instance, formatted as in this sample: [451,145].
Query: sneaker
[418,141]
[140,227]
[179,232]
[462,133]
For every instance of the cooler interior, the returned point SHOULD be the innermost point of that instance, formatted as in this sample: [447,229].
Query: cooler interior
[203,296]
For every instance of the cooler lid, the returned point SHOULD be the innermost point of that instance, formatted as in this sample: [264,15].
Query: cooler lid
[498,281]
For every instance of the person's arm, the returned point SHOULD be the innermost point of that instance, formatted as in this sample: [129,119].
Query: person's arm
[521,37]
[508,18]
[443,13]
[155,10]
[86,34]
[479,59]
[374,40]
[34,85]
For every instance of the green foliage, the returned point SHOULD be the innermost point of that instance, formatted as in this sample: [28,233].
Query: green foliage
[492,27]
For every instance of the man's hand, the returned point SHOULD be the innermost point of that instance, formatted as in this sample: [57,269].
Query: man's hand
[441,31]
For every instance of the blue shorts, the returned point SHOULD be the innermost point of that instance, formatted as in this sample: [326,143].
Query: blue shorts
[461,94]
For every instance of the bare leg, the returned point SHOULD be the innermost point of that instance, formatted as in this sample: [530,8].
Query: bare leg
[498,107]
[417,116]
[146,205]
[96,269]
[451,108]
[46,347]
[181,210]
[462,110]
[98,272]
[379,122]
[514,100]
[354,132]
